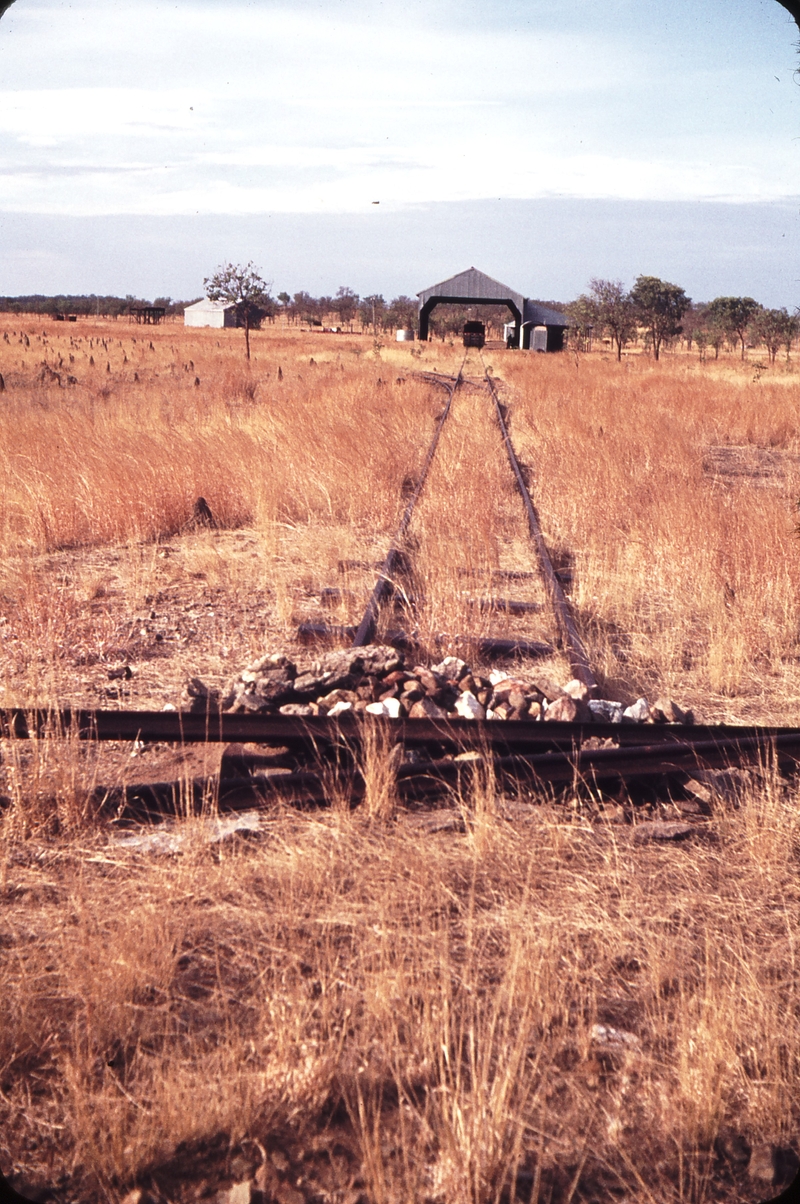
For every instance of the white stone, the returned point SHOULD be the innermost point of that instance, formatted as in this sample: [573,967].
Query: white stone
[169,706]
[339,708]
[604,1034]
[496,676]
[451,667]
[494,715]
[576,689]
[468,706]
[240,1193]
[638,711]
[605,710]
[389,707]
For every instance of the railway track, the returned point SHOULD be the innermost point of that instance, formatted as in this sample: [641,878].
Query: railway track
[301,754]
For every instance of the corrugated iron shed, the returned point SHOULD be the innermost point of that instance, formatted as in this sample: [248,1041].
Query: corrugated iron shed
[476,286]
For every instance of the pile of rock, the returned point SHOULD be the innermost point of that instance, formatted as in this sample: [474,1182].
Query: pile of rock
[376,681]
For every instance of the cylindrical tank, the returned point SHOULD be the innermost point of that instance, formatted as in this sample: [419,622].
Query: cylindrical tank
[405,336]
[539,338]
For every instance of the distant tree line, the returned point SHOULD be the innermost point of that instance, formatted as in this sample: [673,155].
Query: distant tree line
[654,312]
[91,305]
[346,307]
[661,313]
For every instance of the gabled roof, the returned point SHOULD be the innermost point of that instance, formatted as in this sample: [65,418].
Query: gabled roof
[473,285]
[206,306]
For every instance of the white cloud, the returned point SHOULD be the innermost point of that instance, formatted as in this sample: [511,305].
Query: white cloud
[228,107]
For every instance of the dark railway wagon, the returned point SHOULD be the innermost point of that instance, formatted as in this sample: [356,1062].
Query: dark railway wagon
[474,334]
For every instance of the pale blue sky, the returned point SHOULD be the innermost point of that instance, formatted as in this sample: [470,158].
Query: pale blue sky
[200,109]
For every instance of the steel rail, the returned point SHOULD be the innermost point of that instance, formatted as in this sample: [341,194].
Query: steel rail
[423,780]
[578,657]
[385,585]
[291,731]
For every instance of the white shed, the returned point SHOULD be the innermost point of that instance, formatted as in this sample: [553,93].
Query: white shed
[210,313]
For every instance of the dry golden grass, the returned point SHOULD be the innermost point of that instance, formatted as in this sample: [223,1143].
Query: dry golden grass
[687,578]
[392,1006]
[426,1003]
[111,458]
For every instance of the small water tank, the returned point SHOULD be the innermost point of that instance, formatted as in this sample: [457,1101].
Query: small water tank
[405,336]
[539,338]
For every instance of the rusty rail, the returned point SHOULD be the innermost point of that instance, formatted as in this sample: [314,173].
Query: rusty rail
[421,781]
[578,657]
[385,585]
[182,727]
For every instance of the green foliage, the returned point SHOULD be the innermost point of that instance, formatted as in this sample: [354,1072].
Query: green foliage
[659,306]
[243,286]
[733,315]
[306,308]
[774,327]
[402,312]
[372,310]
[345,304]
[614,310]
[583,318]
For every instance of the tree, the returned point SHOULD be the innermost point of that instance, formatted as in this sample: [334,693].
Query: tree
[285,301]
[614,310]
[245,288]
[372,309]
[772,326]
[659,307]
[306,308]
[701,339]
[715,331]
[694,324]
[345,304]
[402,312]
[791,333]
[734,315]
[582,316]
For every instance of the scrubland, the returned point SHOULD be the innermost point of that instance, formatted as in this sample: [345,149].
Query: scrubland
[507,999]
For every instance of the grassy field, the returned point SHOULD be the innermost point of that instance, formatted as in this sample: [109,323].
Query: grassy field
[505,999]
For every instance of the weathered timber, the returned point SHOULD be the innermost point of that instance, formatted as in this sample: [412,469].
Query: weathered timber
[487,647]
[507,606]
[308,633]
[347,566]
[491,646]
